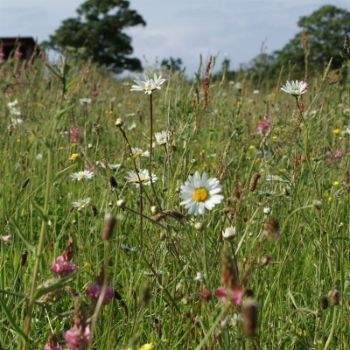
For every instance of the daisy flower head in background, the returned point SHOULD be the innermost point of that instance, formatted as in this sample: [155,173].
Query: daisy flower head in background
[82,175]
[138,152]
[295,87]
[199,193]
[142,177]
[81,203]
[162,137]
[148,85]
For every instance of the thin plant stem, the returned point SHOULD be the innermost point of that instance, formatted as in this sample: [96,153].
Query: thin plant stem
[39,250]
[151,148]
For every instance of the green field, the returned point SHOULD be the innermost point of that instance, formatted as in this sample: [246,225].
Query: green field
[286,197]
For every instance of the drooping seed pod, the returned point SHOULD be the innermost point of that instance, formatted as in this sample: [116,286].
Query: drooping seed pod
[108,226]
[271,228]
[254,181]
[24,256]
[113,182]
[324,302]
[250,317]
[334,296]
[229,274]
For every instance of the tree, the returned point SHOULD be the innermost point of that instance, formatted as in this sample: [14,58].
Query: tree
[320,39]
[99,30]
[172,64]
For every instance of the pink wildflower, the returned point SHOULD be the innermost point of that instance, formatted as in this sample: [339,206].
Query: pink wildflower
[262,126]
[94,93]
[52,344]
[18,54]
[74,135]
[235,296]
[94,291]
[62,265]
[77,337]
[6,238]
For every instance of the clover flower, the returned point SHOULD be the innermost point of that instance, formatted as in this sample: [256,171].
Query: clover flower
[94,291]
[78,337]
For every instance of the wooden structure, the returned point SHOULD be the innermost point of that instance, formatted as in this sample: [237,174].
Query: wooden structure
[24,47]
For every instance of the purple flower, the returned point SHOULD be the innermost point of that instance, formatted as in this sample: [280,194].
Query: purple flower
[94,291]
[62,266]
[262,126]
[77,337]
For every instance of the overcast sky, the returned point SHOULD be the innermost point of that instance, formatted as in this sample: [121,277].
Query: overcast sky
[180,28]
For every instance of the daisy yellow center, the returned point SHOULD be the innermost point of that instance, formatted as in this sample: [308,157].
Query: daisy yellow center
[81,175]
[200,194]
[137,154]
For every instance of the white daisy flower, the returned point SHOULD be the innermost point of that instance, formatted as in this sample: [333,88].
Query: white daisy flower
[81,203]
[114,166]
[138,152]
[229,232]
[199,277]
[132,126]
[142,177]
[295,88]
[200,193]
[148,85]
[15,111]
[82,175]
[162,137]
[12,104]
[85,101]
[16,121]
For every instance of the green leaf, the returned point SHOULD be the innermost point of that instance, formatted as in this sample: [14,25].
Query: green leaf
[53,284]
[12,322]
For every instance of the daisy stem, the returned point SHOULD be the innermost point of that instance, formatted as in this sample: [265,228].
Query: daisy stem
[306,142]
[140,182]
[151,148]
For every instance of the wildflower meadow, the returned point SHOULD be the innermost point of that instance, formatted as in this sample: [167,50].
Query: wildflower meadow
[173,212]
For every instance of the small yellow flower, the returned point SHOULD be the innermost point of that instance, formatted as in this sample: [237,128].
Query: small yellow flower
[18,140]
[277,129]
[61,148]
[326,194]
[318,342]
[73,144]
[301,332]
[336,131]
[148,346]
[274,138]
[31,138]
[330,198]
[335,183]
[282,170]
[87,266]
[251,147]
[74,156]
[109,112]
